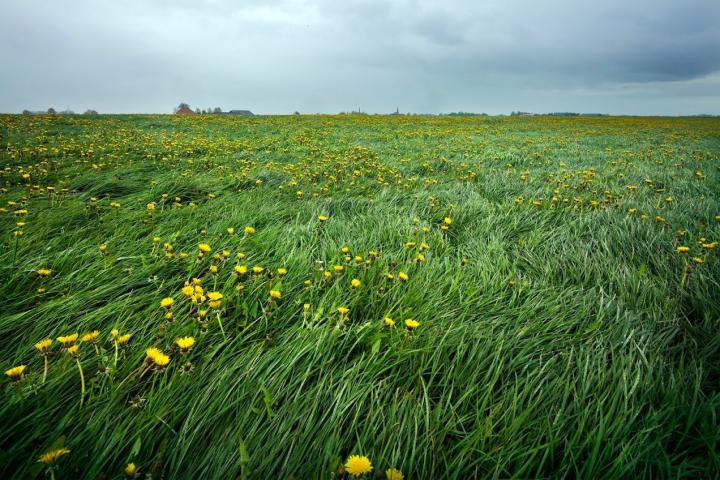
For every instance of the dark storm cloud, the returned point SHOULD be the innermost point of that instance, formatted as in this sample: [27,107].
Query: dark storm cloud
[327,55]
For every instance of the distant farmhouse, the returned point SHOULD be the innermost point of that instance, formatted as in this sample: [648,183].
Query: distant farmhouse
[184,109]
[240,112]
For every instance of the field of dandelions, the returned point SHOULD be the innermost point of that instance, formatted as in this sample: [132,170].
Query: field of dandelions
[359,297]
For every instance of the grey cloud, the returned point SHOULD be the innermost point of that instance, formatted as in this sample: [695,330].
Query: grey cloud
[282,55]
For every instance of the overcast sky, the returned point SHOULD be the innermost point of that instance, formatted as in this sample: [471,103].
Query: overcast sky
[268,56]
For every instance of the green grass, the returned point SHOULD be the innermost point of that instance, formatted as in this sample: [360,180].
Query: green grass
[563,339]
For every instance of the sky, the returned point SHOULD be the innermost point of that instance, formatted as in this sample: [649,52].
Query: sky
[645,57]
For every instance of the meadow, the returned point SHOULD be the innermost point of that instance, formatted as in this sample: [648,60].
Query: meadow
[357,296]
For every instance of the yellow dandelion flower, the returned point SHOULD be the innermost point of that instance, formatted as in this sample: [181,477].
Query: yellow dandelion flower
[258,270]
[188,290]
[157,356]
[241,269]
[130,469]
[357,465]
[215,296]
[343,310]
[411,324]
[403,276]
[50,457]
[230,230]
[355,283]
[275,293]
[394,474]
[43,272]
[204,247]
[166,302]
[68,339]
[91,336]
[322,218]
[683,249]
[103,248]
[249,230]
[282,271]
[43,345]
[16,372]
[185,343]
[73,350]
[389,321]
[124,339]
[698,260]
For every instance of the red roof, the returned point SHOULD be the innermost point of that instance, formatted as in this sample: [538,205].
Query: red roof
[184,110]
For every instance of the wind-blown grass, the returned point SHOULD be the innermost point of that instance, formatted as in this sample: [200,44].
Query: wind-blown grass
[561,332]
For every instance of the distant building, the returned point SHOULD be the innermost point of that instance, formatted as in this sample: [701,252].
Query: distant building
[184,110]
[240,112]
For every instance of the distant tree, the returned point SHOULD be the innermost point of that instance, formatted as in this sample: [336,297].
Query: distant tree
[27,112]
[90,112]
[217,110]
[197,110]
[182,106]
[51,111]
[296,113]
[203,111]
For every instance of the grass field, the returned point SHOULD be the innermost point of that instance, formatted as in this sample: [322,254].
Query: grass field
[563,329]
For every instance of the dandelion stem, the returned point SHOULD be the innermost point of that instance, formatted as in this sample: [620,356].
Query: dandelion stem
[683,279]
[45,370]
[221,326]
[82,381]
